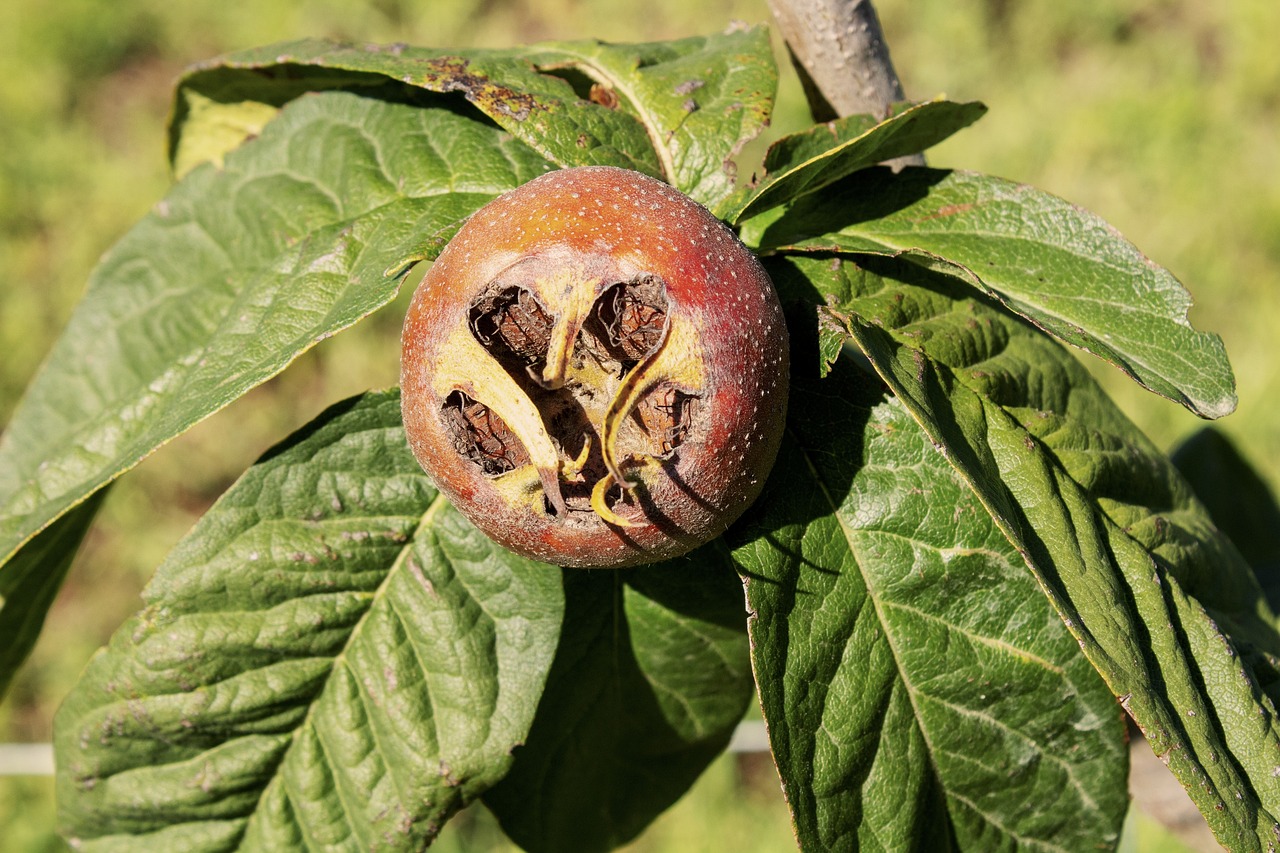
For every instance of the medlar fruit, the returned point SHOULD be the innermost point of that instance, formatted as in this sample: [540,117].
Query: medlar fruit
[594,370]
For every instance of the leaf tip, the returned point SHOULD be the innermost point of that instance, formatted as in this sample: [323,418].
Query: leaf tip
[1217,408]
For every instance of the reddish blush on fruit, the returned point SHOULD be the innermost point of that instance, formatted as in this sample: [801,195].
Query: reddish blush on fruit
[594,370]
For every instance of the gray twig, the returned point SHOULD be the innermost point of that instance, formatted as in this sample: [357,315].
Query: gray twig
[840,53]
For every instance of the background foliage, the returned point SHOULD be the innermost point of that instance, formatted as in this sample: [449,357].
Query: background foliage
[1160,116]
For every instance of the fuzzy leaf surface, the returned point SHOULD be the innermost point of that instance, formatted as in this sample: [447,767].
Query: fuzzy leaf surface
[1159,599]
[677,110]
[919,691]
[1063,268]
[812,159]
[541,110]
[652,676]
[699,99]
[332,659]
[237,272]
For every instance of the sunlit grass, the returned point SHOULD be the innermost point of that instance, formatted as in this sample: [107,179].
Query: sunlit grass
[736,805]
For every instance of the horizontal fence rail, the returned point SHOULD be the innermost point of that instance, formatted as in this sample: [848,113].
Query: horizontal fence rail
[26,759]
[36,759]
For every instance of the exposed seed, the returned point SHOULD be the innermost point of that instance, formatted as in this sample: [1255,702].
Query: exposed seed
[511,322]
[483,437]
[634,315]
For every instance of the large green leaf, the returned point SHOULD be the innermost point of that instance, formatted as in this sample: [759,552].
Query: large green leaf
[232,276]
[333,658]
[1058,265]
[540,110]
[652,676]
[919,691]
[700,99]
[808,161]
[678,110]
[1162,604]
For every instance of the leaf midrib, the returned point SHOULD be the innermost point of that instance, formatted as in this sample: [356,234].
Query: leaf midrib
[647,118]
[182,368]
[428,517]
[855,550]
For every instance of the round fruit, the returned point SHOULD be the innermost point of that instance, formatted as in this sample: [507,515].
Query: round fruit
[594,370]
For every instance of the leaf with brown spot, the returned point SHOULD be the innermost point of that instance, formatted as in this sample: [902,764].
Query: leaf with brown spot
[1061,267]
[735,78]
[541,110]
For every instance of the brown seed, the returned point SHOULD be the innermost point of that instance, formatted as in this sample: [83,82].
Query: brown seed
[666,415]
[634,314]
[482,436]
[512,322]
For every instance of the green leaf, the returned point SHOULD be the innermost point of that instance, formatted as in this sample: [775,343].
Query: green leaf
[699,99]
[237,272]
[1058,265]
[1160,601]
[332,658]
[920,693]
[806,162]
[1238,500]
[678,110]
[652,676]
[540,110]
[27,590]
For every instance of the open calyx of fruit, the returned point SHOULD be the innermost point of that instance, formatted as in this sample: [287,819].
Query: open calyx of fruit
[595,370]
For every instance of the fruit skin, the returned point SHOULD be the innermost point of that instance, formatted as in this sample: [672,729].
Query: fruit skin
[693,426]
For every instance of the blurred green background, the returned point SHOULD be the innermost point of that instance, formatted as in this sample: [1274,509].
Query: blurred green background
[1160,116]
